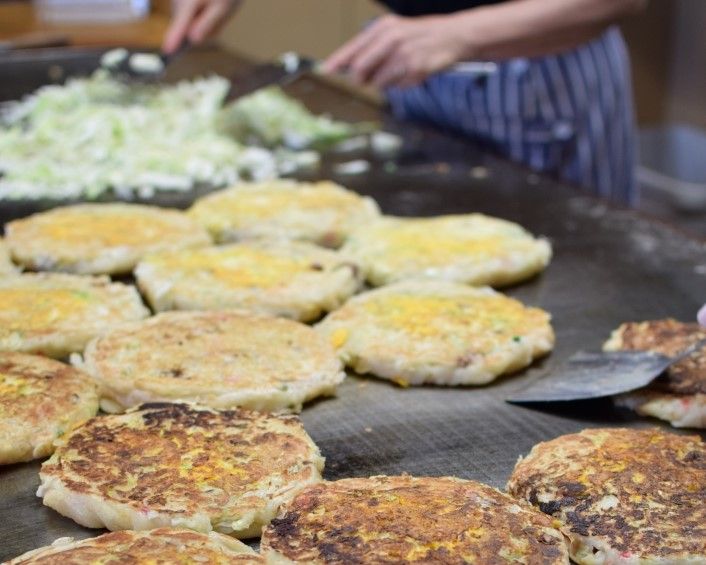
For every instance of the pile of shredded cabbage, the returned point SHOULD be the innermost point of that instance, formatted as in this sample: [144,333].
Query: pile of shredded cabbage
[97,134]
[270,117]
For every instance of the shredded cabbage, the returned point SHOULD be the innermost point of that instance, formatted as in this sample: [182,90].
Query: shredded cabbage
[270,117]
[97,134]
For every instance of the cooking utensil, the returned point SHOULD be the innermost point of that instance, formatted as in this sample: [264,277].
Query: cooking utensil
[140,66]
[282,72]
[291,66]
[595,375]
[288,69]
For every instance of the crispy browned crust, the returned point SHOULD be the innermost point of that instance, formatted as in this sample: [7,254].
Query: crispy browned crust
[40,399]
[670,337]
[53,387]
[180,459]
[655,483]
[411,520]
[163,545]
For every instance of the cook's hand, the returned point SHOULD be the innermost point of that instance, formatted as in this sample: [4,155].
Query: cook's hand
[399,51]
[196,20]
[701,316]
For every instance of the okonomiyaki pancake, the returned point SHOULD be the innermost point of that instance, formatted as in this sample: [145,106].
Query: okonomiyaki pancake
[99,238]
[40,400]
[57,314]
[151,547]
[218,359]
[282,278]
[6,265]
[678,396]
[180,465]
[444,333]
[472,248]
[623,496]
[322,212]
[406,519]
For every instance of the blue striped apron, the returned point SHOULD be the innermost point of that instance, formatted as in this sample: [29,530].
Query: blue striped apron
[569,115]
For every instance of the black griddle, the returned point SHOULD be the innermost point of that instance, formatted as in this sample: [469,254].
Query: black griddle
[610,265]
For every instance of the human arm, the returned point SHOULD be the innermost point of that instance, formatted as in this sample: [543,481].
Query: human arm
[403,51]
[196,20]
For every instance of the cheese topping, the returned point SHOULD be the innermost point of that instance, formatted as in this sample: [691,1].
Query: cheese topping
[339,337]
[37,308]
[113,229]
[493,317]
[268,203]
[410,243]
[445,239]
[236,266]
[13,386]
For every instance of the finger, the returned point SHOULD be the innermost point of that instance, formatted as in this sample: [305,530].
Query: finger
[400,71]
[365,63]
[181,21]
[340,59]
[207,21]
[391,73]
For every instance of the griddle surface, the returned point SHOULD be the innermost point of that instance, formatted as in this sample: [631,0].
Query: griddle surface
[610,266]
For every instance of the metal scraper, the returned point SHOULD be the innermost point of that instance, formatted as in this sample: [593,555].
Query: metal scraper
[595,375]
[290,66]
[140,67]
[282,72]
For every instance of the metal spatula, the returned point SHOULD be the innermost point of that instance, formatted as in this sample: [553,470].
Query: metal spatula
[281,73]
[138,66]
[291,66]
[595,375]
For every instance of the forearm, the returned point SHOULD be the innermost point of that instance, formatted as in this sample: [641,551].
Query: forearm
[536,27]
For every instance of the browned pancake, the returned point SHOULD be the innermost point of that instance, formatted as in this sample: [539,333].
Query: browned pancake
[163,545]
[411,520]
[40,400]
[668,337]
[217,359]
[621,494]
[178,464]
[55,314]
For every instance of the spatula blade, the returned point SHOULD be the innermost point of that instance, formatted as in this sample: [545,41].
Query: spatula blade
[267,74]
[595,375]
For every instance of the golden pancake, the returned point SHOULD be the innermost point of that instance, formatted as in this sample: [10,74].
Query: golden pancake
[56,314]
[40,400]
[472,249]
[322,212]
[282,278]
[94,239]
[160,546]
[624,496]
[218,359]
[678,396]
[179,465]
[410,520]
[418,332]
